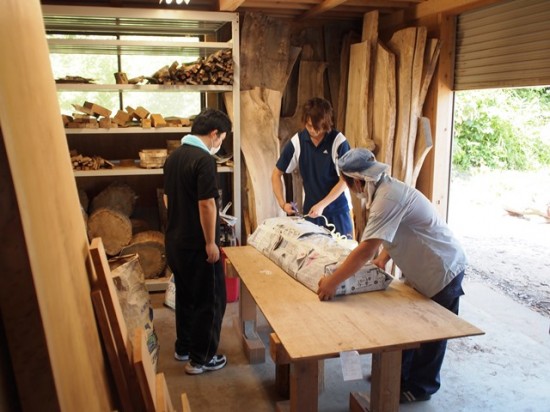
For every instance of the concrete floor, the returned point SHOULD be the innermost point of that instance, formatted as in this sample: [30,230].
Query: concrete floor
[507,369]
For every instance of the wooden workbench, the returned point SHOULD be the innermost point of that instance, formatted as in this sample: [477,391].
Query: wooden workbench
[382,323]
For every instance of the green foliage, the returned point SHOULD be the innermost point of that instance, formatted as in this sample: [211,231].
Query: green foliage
[502,129]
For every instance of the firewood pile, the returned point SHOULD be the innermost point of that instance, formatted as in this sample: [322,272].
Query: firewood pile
[94,116]
[81,162]
[216,69]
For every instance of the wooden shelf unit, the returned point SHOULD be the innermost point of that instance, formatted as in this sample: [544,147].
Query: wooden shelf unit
[124,143]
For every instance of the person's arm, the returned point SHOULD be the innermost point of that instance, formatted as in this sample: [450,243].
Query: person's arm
[318,208]
[165,198]
[355,260]
[277,187]
[208,213]
[382,259]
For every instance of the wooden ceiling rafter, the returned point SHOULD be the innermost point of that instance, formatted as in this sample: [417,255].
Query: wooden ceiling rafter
[391,11]
[321,8]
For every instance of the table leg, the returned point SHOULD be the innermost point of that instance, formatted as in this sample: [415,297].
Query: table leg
[385,385]
[253,346]
[304,392]
[386,381]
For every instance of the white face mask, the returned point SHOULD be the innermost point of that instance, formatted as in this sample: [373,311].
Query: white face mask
[214,150]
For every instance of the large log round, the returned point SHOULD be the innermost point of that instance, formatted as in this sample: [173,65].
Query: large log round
[116,196]
[149,245]
[112,226]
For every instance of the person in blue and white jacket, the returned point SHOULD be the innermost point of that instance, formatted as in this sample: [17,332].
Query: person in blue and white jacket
[314,151]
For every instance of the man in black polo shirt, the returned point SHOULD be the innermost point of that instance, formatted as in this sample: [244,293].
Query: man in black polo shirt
[192,242]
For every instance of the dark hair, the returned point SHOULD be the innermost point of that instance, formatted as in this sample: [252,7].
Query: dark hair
[347,179]
[350,180]
[320,112]
[210,119]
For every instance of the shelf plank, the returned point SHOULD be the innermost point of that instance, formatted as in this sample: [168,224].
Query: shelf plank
[91,87]
[132,171]
[116,47]
[129,130]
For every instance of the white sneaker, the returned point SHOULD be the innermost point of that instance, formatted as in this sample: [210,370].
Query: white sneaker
[216,363]
[181,358]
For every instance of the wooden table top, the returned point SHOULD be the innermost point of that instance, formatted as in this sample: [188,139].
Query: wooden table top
[398,317]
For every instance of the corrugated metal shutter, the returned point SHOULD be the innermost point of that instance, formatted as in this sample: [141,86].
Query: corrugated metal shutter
[506,45]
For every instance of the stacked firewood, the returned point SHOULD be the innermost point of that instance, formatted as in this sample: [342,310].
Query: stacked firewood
[216,69]
[80,162]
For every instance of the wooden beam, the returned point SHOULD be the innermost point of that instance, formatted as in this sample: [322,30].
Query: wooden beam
[450,7]
[230,5]
[428,9]
[434,177]
[321,8]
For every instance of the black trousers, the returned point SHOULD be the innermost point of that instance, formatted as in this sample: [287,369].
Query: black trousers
[420,367]
[200,303]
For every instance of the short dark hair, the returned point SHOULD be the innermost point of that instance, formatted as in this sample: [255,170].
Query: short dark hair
[320,112]
[347,179]
[210,119]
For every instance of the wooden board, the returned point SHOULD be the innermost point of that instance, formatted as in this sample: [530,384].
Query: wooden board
[48,244]
[422,146]
[340,116]
[384,94]
[402,43]
[144,369]
[163,401]
[266,56]
[260,109]
[416,107]
[356,129]
[333,36]
[112,353]
[116,319]
[370,35]
[367,322]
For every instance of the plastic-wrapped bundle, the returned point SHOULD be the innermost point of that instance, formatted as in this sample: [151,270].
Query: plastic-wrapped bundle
[307,252]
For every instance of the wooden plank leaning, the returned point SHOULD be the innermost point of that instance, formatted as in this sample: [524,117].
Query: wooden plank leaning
[116,322]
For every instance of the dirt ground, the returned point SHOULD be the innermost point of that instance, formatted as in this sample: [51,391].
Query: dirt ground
[509,253]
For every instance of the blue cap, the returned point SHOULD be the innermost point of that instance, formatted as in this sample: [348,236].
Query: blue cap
[360,163]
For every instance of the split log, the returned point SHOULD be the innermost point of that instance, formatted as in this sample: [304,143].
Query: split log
[117,196]
[149,245]
[112,226]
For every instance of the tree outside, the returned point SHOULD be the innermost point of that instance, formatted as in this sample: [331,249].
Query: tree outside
[500,190]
